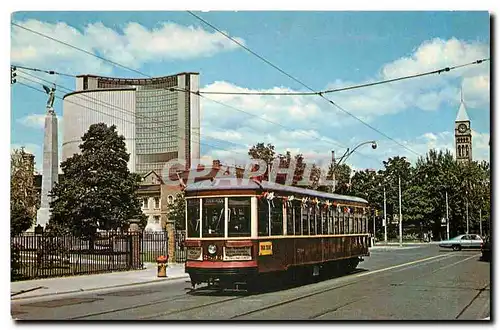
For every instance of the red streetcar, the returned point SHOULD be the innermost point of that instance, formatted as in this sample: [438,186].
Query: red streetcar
[240,230]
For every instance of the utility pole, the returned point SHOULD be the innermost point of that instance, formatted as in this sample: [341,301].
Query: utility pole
[480,224]
[385,219]
[447,218]
[467,215]
[400,215]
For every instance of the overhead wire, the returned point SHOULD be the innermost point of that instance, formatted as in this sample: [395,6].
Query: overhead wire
[128,112]
[301,83]
[146,75]
[115,117]
[52,72]
[197,93]
[341,89]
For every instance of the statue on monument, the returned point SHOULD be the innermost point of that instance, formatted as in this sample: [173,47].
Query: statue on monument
[52,96]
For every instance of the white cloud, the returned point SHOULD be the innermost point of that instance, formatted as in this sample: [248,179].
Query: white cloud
[36,120]
[301,122]
[33,121]
[132,46]
[432,93]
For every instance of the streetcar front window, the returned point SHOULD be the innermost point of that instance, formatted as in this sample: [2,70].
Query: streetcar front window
[193,217]
[213,217]
[239,216]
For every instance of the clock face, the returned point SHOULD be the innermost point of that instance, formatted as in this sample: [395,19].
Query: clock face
[462,128]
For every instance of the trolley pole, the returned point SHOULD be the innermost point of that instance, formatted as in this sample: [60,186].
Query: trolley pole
[385,219]
[447,217]
[400,215]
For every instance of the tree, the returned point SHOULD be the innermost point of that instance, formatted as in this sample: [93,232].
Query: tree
[23,197]
[342,178]
[177,211]
[97,191]
[263,152]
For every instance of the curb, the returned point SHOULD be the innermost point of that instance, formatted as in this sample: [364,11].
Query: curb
[100,288]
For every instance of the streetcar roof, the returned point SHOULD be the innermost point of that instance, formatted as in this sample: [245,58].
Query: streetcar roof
[248,184]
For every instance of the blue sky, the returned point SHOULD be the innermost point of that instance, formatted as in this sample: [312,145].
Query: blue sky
[321,49]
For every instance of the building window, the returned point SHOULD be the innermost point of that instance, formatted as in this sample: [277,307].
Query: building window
[144,203]
[170,199]
[157,202]
[156,219]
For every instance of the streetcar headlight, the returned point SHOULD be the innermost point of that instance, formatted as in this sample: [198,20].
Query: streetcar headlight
[212,249]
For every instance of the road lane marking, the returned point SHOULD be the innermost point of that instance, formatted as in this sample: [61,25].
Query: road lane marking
[440,268]
[400,265]
[334,288]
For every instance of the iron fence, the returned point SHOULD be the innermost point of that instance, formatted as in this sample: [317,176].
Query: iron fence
[153,245]
[45,255]
[180,250]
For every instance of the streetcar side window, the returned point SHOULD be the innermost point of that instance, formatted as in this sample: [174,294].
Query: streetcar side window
[305,220]
[276,217]
[297,218]
[351,223]
[263,213]
[290,222]
[319,216]
[312,220]
[193,217]
[346,222]
[213,217]
[239,211]
[324,221]
[335,221]
[343,222]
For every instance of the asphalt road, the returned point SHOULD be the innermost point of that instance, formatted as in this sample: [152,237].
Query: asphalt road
[424,283]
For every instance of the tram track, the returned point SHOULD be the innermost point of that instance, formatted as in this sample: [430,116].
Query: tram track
[182,310]
[410,264]
[137,306]
[183,296]
[291,300]
[116,310]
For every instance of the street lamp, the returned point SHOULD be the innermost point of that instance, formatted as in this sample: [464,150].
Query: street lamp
[385,215]
[349,152]
[400,214]
[346,155]
[400,209]
[446,188]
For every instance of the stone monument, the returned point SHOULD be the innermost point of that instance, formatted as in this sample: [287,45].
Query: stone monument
[50,159]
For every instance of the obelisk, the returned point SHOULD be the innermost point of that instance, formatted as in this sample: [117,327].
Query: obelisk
[50,160]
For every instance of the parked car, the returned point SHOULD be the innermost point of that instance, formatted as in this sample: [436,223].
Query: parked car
[467,241]
[486,249]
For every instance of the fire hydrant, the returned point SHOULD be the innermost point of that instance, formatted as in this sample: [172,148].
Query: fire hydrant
[161,261]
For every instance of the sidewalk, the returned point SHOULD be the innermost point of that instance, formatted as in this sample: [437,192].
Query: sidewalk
[81,283]
[405,245]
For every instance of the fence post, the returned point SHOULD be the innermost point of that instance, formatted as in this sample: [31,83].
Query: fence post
[170,226]
[135,245]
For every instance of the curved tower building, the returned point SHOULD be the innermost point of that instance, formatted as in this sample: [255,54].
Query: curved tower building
[159,117]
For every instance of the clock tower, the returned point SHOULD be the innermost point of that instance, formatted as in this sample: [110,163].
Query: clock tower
[463,134]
